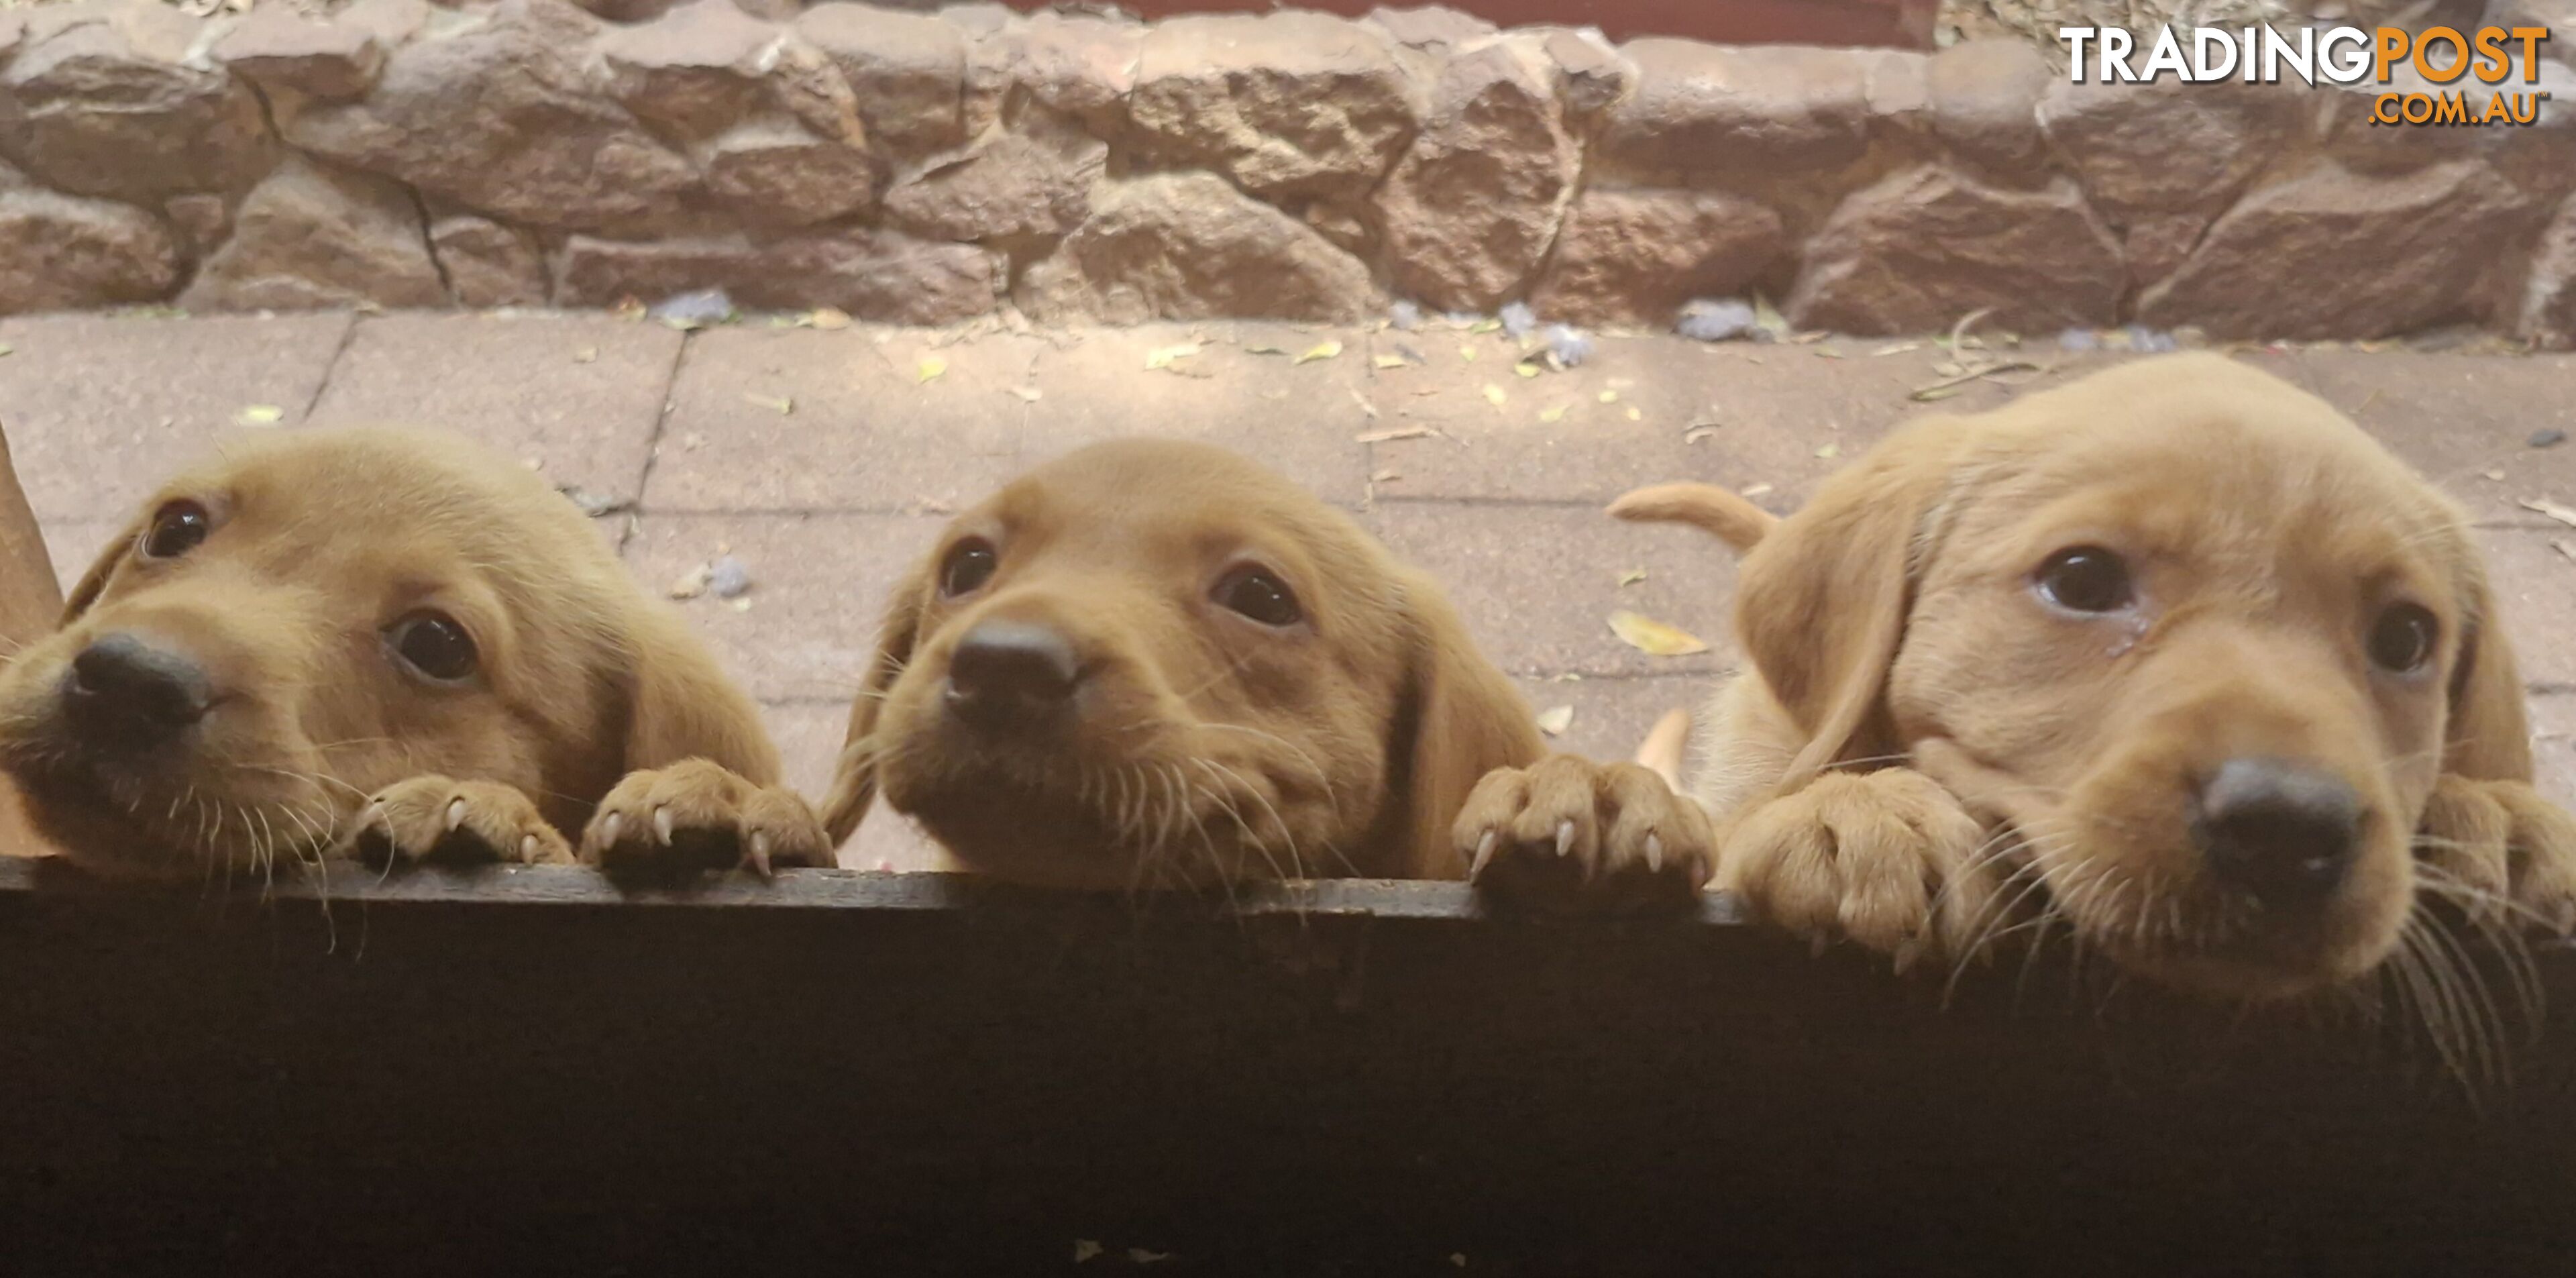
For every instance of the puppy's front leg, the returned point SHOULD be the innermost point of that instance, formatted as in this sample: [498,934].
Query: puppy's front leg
[700,815]
[2499,848]
[1568,833]
[1888,859]
[413,820]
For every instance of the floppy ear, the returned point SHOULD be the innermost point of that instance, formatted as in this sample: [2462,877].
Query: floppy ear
[93,582]
[854,778]
[1821,602]
[31,600]
[2486,737]
[681,706]
[1457,719]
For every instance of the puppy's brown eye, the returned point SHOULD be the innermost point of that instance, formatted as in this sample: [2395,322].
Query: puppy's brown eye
[176,529]
[2401,640]
[970,563]
[2086,579]
[1257,594]
[434,645]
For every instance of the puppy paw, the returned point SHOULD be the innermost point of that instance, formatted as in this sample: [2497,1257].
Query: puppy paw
[696,815]
[1569,833]
[2498,849]
[435,816]
[1888,859]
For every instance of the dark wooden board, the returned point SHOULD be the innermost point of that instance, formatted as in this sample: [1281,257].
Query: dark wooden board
[856,1073]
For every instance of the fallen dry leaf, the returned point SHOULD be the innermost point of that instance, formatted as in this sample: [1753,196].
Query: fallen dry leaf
[827,318]
[1486,326]
[1389,361]
[1632,576]
[1166,356]
[1609,397]
[2563,514]
[1322,350]
[260,415]
[1027,394]
[2564,547]
[6,348]
[778,404]
[931,369]
[1386,477]
[1467,353]
[1898,349]
[1755,490]
[586,355]
[1526,369]
[1827,352]
[1494,395]
[1829,450]
[693,583]
[1552,415]
[1654,638]
[1392,433]
[1265,348]
[1555,720]
[1636,415]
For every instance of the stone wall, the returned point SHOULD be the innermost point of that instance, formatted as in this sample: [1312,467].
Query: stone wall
[929,168]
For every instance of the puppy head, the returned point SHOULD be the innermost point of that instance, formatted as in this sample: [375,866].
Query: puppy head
[1153,662]
[2194,637]
[316,615]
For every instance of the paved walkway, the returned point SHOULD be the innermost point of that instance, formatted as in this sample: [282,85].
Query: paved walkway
[825,460]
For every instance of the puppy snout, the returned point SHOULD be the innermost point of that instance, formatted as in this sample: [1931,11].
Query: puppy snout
[2283,832]
[124,690]
[1008,675]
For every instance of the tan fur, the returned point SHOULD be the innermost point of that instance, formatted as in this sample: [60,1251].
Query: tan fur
[1917,728]
[1206,747]
[319,736]
[30,601]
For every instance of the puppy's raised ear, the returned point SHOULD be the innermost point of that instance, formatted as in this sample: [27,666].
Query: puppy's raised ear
[1821,602]
[854,778]
[2486,737]
[1457,719]
[681,706]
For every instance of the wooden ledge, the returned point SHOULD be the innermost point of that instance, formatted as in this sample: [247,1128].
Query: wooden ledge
[463,1073]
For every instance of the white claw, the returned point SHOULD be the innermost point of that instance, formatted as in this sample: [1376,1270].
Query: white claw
[760,852]
[662,825]
[608,827]
[1564,837]
[455,815]
[528,849]
[1484,854]
[1655,852]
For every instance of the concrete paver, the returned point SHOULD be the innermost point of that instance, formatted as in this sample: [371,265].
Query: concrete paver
[2536,588]
[101,408]
[1612,715]
[863,428]
[1244,389]
[74,544]
[808,627]
[580,394]
[1537,584]
[2458,417]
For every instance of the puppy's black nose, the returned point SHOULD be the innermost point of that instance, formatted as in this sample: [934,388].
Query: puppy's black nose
[123,691]
[1008,674]
[2278,830]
